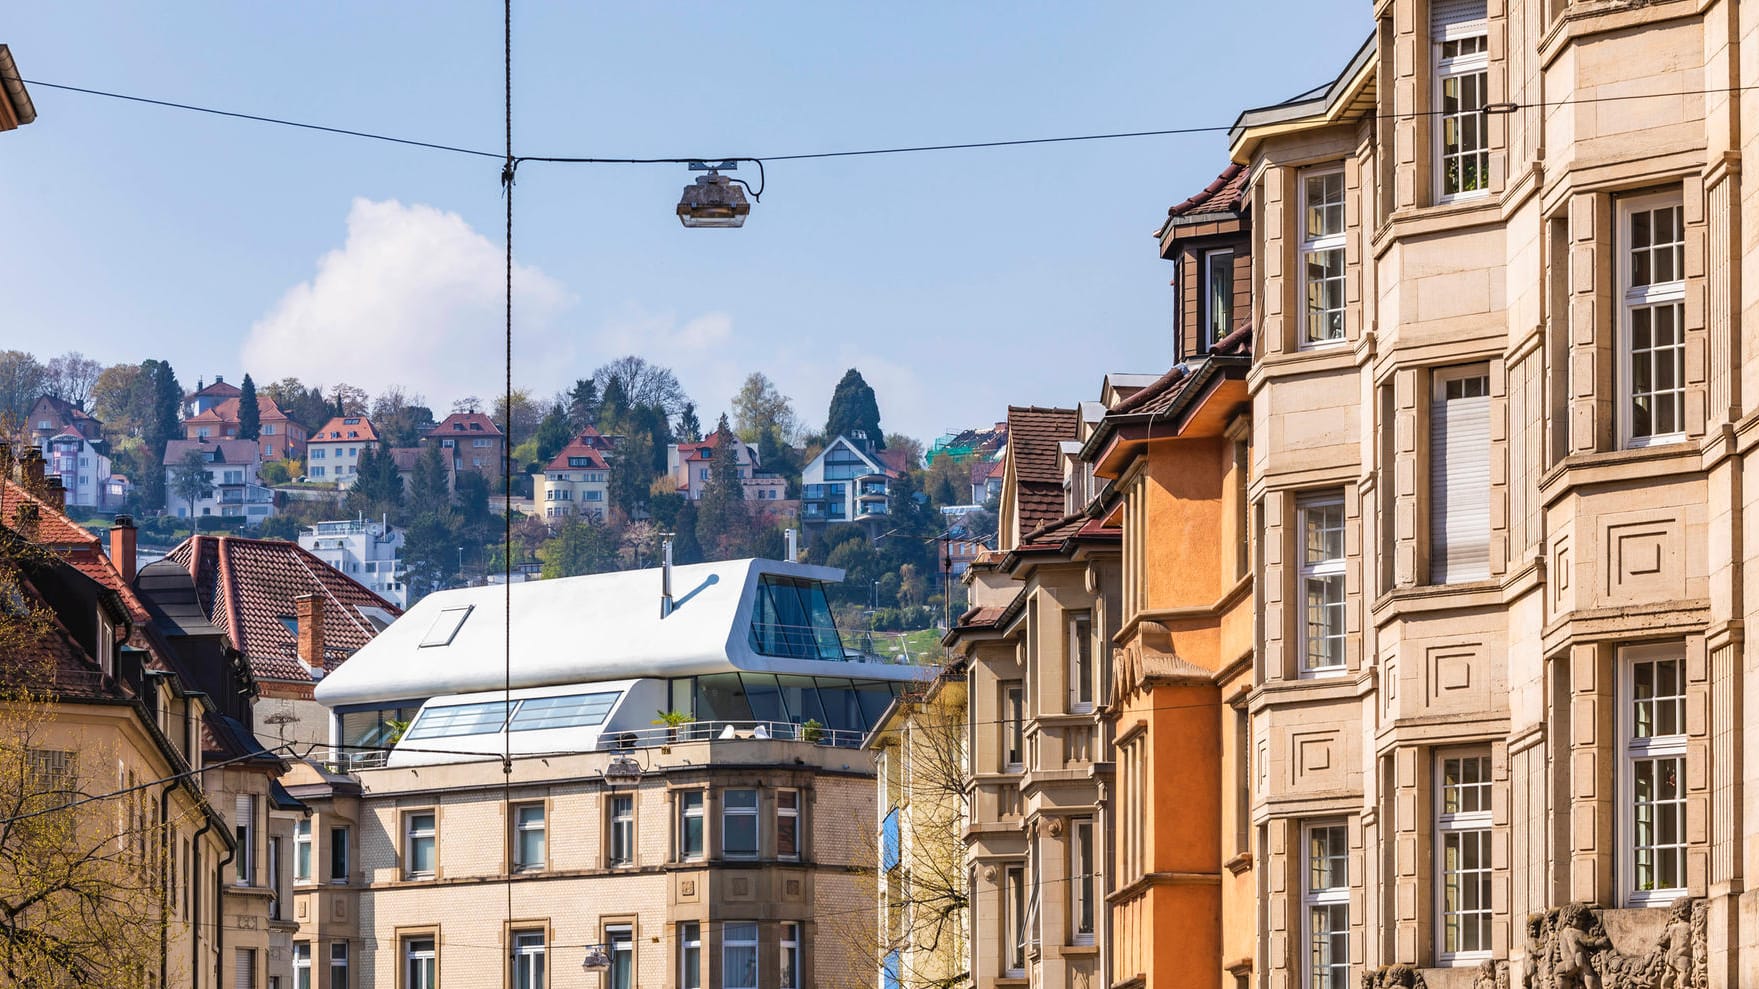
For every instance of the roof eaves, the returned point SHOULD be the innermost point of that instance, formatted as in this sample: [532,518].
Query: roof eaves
[1309,104]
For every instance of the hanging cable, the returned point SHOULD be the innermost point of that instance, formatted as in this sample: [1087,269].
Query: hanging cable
[507,176]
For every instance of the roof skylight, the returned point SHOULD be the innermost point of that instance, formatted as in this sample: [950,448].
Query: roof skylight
[446,626]
[460,719]
[572,711]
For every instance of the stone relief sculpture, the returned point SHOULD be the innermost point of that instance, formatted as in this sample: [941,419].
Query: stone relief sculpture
[1568,948]
[1491,975]
[1393,977]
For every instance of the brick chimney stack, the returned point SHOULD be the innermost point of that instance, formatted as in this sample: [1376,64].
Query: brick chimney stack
[33,469]
[309,616]
[122,547]
[53,493]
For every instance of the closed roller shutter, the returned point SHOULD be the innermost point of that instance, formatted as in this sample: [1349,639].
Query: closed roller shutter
[1442,13]
[1459,479]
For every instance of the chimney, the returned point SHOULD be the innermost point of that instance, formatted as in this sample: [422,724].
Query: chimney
[309,617]
[33,469]
[793,544]
[666,581]
[54,493]
[122,543]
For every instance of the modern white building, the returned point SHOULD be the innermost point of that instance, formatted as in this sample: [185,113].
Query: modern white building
[234,488]
[849,481]
[721,849]
[369,551]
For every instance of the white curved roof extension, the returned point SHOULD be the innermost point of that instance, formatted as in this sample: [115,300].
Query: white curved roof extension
[577,630]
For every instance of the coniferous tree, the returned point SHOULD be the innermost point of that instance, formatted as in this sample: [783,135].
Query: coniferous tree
[613,404]
[723,525]
[161,426]
[689,426]
[428,490]
[249,416]
[685,546]
[854,409]
[377,488]
[553,433]
[583,405]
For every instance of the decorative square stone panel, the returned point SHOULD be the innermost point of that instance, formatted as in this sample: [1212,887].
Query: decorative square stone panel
[1644,560]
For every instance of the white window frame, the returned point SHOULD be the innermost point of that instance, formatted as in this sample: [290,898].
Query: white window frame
[1321,243]
[1013,726]
[1207,330]
[692,806]
[1671,293]
[302,850]
[689,950]
[1079,639]
[338,965]
[752,944]
[1329,899]
[1013,912]
[1459,67]
[244,824]
[1463,825]
[421,950]
[1328,569]
[620,830]
[788,966]
[620,939]
[791,815]
[729,812]
[1633,751]
[523,826]
[412,835]
[530,959]
[302,965]
[1083,882]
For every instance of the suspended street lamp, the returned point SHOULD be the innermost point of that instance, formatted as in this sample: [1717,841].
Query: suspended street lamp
[714,200]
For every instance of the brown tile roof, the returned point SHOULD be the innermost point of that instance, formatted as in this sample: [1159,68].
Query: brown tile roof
[1225,194]
[231,451]
[53,528]
[582,446]
[980,617]
[1035,437]
[227,411]
[896,461]
[344,429]
[466,423]
[406,456]
[1058,534]
[223,388]
[247,587]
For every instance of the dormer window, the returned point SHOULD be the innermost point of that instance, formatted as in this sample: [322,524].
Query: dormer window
[1217,298]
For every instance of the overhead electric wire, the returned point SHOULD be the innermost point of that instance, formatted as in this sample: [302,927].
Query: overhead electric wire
[1496,108]
[141,787]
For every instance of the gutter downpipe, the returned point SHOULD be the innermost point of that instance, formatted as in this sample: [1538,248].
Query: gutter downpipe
[220,917]
[195,875]
[165,890]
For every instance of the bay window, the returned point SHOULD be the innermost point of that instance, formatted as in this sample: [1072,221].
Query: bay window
[1462,825]
[1326,906]
[1461,45]
[1653,722]
[1652,344]
[1320,527]
[1322,256]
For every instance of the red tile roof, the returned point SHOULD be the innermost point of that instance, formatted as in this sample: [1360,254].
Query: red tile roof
[980,618]
[224,388]
[247,586]
[227,412]
[1224,195]
[466,423]
[346,429]
[581,447]
[54,529]
[1035,437]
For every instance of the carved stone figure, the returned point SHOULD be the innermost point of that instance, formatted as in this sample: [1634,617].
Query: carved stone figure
[1579,938]
[1676,945]
[1539,936]
[1491,974]
[1393,977]
[1568,948]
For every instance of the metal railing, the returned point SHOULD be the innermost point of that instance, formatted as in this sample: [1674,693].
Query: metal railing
[727,731]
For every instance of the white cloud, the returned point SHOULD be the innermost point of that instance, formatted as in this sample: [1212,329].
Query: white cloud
[414,296]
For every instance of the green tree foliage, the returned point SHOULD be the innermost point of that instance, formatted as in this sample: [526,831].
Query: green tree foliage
[401,418]
[190,479]
[429,492]
[553,433]
[854,409]
[377,488]
[723,522]
[250,424]
[689,426]
[430,554]
[613,405]
[582,546]
[583,405]
[685,547]
[948,482]
[23,379]
[163,400]
[631,477]
[761,409]
[117,399]
[909,445]
[306,406]
[522,421]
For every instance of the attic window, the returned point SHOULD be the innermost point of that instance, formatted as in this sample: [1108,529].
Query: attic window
[460,719]
[445,626]
[292,624]
[572,711]
[477,426]
[351,421]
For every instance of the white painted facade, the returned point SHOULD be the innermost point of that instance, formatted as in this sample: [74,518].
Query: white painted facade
[370,552]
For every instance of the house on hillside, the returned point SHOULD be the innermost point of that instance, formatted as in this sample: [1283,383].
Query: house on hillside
[333,452]
[969,445]
[691,464]
[849,481]
[206,397]
[278,435]
[470,441]
[367,550]
[235,487]
[406,457]
[71,440]
[577,480]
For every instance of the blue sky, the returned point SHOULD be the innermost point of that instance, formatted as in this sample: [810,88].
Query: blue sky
[959,282]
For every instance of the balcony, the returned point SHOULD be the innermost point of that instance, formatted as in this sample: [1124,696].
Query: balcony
[729,731]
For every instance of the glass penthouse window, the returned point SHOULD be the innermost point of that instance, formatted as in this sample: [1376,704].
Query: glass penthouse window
[792,619]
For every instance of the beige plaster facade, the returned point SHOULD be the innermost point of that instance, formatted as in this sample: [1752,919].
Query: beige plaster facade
[1499,442]
[648,868]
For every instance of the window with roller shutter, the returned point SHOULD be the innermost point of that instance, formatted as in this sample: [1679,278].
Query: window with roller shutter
[1459,476]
